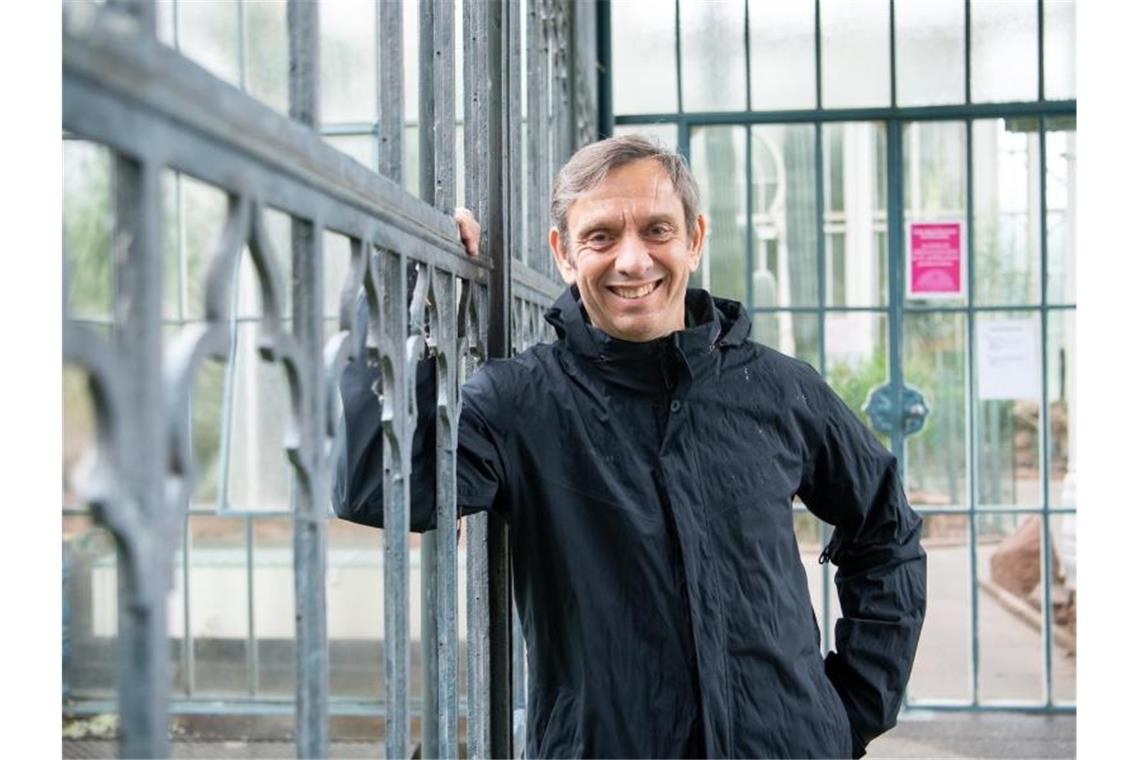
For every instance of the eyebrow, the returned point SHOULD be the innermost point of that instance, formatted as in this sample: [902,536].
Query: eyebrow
[605,223]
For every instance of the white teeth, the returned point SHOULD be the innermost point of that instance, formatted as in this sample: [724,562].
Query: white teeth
[644,290]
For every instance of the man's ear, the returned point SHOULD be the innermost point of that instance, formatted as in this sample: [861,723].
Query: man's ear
[565,266]
[697,244]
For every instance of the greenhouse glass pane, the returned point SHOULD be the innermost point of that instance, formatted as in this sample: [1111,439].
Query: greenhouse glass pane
[644,57]
[934,193]
[783,216]
[87,225]
[1010,653]
[1008,417]
[1063,534]
[855,53]
[355,604]
[855,216]
[930,61]
[1003,51]
[1062,379]
[273,606]
[855,345]
[934,363]
[942,664]
[79,435]
[267,53]
[206,424]
[348,61]
[208,35]
[1061,209]
[360,147]
[219,620]
[260,477]
[90,608]
[718,161]
[1007,212]
[712,56]
[793,334]
[337,254]
[203,216]
[1060,49]
[781,39]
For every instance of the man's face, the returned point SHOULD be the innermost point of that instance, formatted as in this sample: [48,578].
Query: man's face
[628,252]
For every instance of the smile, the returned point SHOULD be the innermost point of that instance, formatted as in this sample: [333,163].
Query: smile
[634,293]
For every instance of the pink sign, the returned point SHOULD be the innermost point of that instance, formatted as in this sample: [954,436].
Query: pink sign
[935,260]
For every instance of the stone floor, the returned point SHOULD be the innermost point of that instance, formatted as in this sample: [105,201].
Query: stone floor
[918,735]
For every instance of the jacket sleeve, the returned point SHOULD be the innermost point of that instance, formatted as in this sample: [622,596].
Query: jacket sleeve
[852,482]
[358,477]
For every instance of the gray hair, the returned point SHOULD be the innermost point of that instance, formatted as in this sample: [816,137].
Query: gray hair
[589,166]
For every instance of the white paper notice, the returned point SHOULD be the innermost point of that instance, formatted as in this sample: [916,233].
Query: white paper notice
[1009,359]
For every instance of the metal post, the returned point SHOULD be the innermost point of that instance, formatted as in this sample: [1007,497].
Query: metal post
[309,553]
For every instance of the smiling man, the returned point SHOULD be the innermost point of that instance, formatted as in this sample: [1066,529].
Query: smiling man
[647,461]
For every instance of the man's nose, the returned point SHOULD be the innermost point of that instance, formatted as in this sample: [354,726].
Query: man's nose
[633,259]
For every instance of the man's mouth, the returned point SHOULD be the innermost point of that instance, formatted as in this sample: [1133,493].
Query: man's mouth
[636,292]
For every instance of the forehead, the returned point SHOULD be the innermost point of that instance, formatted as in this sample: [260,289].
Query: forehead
[638,188]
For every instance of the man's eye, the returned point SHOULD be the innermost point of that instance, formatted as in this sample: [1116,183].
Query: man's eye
[659,231]
[597,238]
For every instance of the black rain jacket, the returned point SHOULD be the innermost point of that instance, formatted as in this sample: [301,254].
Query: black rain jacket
[648,488]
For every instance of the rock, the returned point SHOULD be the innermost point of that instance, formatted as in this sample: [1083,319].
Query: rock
[1016,563]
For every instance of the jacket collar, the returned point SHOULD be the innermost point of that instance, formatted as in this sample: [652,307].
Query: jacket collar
[670,361]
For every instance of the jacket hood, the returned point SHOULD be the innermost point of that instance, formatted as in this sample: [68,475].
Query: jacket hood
[670,361]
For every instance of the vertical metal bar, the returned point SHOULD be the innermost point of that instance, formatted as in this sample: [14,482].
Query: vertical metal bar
[397,471]
[143,677]
[251,666]
[605,72]
[972,412]
[821,331]
[499,345]
[1041,58]
[439,719]
[478,117]
[818,64]
[894,56]
[390,91]
[747,63]
[749,254]
[895,266]
[968,57]
[309,507]
[1043,413]
[537,131]
[242,61]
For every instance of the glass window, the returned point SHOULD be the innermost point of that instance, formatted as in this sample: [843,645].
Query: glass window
[348,61]
[267,53]
[712,56]
[718,160]
[930,62]
[1061,209]
[1062,386]
[218,594]
[87,225]
[644,58]
[855,344]
[208,34]
[783,216]
[1006,227]
[781,39]
[934,362]
[1008,427]
[1060,49]
[942,664]
[1003,51]
[855,217]
[794,334]
[934,192]
[855,36]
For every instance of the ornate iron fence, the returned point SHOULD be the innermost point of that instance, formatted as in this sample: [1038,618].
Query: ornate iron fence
[157,111]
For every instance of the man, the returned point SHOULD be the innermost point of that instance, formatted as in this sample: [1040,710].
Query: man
[646,462]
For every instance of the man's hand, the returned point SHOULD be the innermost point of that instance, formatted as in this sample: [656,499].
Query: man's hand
[468,230]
